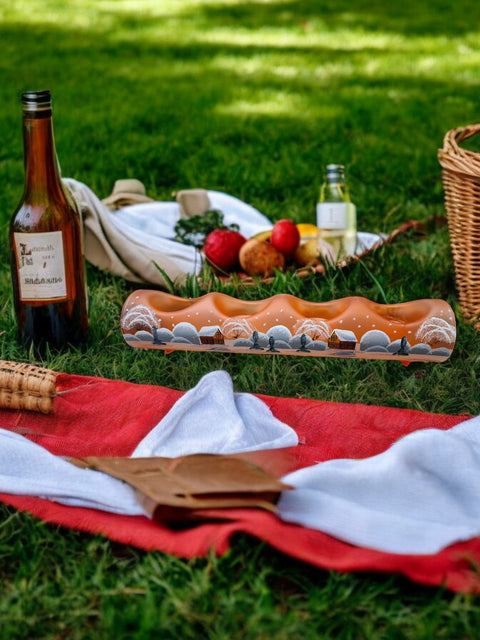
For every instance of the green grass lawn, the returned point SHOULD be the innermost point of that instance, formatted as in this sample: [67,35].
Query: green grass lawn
[252,98]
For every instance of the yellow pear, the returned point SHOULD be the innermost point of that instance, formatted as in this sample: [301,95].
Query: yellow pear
[314,252]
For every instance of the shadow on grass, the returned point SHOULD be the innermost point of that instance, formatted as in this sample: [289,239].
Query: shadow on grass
[255,119]
[411,18]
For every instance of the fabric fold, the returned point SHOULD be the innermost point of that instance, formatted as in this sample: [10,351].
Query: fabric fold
[212,418]
[28,469]
[132,254]
[209,418]
[417,497]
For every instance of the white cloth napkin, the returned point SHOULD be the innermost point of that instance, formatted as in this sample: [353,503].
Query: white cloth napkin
[28,469]
[419,496]
[154,220]
[210,418]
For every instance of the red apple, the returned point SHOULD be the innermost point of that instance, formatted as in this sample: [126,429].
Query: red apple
[285,237]
[222,247]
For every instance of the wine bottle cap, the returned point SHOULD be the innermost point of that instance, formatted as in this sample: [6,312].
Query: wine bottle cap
[335,172]
[37,100]
[335,168]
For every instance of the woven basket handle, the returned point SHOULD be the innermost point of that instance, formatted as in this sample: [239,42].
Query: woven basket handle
[453,157]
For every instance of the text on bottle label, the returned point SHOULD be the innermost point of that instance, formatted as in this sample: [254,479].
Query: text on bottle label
[40,265]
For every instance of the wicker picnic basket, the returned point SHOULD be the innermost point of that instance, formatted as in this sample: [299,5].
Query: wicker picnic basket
[26,386]
[461,181]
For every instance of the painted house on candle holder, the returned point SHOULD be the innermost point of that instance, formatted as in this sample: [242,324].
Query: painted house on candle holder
[211,335]
[342,339]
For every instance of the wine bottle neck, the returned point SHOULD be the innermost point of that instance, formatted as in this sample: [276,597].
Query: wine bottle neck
[42,174]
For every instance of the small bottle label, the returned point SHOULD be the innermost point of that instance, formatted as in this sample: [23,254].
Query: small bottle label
[40,266]
[332,215]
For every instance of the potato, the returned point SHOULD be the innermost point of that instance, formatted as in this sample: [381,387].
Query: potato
[260,258]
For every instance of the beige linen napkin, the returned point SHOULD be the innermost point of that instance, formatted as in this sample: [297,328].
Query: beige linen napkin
[114,249]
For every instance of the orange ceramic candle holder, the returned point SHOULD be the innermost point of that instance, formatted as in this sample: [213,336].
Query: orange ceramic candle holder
[421,330]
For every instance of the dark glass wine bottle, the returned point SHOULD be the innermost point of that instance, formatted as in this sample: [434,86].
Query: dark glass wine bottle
[48,269]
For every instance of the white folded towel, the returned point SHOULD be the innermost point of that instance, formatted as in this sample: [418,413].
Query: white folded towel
[418,497]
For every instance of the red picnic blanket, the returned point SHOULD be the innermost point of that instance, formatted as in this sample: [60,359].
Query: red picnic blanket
[99,417]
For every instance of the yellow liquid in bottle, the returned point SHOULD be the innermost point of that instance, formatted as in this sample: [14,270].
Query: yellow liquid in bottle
[337,225]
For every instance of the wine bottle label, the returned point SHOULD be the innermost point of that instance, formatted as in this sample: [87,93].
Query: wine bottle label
[40,266]
[332,215]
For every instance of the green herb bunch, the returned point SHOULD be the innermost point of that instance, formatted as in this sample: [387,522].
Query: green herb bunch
[195,229]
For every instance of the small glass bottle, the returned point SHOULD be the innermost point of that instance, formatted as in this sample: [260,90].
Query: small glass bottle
[47,264]
[336,214]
